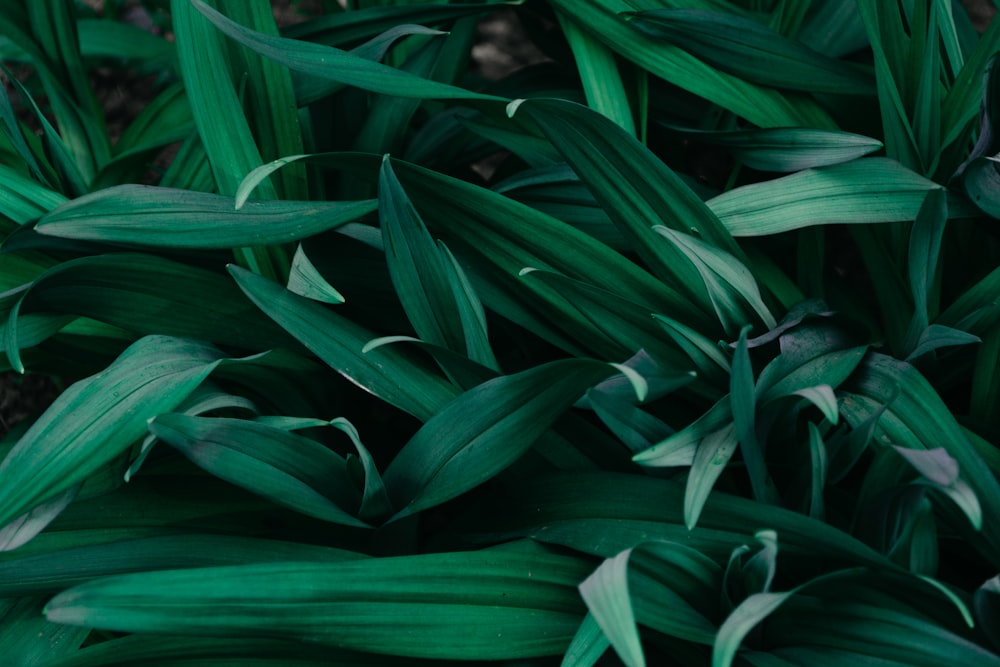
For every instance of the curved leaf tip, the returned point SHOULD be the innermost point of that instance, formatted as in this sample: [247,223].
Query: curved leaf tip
[639,384]
[255,177]
[512,107]
[387,340]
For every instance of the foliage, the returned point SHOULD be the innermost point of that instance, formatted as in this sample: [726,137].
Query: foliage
[677,348]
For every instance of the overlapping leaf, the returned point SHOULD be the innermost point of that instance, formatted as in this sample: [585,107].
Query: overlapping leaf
[111,408]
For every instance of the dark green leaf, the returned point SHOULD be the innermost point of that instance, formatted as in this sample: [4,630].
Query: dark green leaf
[146,215]
[442,606]
[751,51]
[290,470]
[484,431]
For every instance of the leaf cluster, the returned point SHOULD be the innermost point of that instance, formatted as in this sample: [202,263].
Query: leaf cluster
[676,348]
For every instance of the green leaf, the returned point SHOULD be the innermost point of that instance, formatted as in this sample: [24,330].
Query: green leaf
[739,623]
[743,402]
[638,429]
[146,215]
[936,336]
[787,375]
[73,170]
[886,35]
[331,63]
[305,280]
[942,472]
[499,237]
[21,530]
[922,262]
[759,105]
[433,289]
[118,39]
[627,326]
[386,372]
[210,84]
[14,132]
[680,448]
[290,470]
[607,596]
[634,186]
[267,95]
[751,51]
[588,645]
[711,458]
[375,504]
[97,418]
[708,359]
[822,397]
[22,199]
[918,419]
[863,191]
[484,431]
[54,570]
[152,295]
[339,28]
[818,476]
[205,399]
[206,651]
[604,513]
[786,149]
[731,286]
[441,606]
[602,82]
[27,639]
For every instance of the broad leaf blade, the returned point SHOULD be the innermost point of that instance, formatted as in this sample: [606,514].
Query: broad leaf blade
[288,469]
[386,372]
[111,408]
[168,217]
[484,431]
[440,606]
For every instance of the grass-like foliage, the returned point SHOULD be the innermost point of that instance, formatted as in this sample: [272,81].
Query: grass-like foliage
[679,348]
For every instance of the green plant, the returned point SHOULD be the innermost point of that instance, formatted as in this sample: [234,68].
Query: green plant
[580,399]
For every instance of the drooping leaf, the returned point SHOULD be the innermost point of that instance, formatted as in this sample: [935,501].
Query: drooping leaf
[288,469]
[305,280]
[146,215]
[862,191]
[607,596]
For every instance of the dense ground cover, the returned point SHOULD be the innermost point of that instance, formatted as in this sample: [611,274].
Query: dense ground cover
[677,348]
